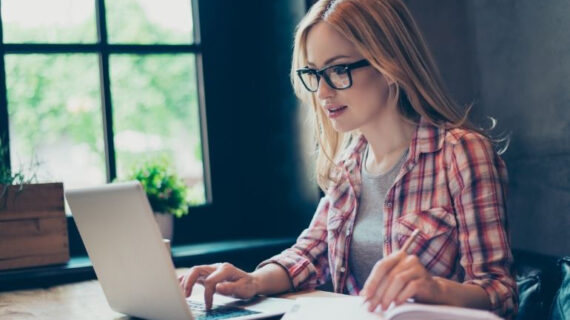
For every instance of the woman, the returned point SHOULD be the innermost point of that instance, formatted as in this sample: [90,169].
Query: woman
[395,155]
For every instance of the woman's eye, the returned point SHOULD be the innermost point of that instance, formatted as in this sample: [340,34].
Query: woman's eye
[339,70]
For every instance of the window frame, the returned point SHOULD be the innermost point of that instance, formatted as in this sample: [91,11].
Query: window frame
[103,49]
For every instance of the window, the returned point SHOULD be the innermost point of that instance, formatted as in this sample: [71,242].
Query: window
[253,165]
[90,87]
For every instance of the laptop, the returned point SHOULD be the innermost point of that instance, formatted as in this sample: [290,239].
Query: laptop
[134,266]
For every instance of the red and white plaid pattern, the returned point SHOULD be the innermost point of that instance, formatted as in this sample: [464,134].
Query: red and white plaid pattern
[451,186]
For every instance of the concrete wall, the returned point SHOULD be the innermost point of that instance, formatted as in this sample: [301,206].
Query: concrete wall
[512,58]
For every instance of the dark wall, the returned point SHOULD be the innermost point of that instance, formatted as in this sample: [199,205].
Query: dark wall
[445,26]
[257,176]
[512,58]
[523,58]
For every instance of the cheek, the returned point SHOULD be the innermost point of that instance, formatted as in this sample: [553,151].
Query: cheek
[373,91]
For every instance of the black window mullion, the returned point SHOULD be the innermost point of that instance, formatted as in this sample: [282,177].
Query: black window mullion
[4,129]
[96,47]
[106,92]
[199,74]
[196,22]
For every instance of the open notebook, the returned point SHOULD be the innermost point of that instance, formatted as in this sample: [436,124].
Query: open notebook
[351,308]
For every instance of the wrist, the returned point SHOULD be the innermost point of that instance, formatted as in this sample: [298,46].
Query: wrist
[257,282]
[443,295]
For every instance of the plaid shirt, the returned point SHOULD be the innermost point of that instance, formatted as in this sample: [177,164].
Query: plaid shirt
[451,186]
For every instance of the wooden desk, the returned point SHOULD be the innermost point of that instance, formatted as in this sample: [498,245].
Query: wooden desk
[78,301]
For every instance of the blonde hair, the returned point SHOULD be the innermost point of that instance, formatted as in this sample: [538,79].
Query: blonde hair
[384,32]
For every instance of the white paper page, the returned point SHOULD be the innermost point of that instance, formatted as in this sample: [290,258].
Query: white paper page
[351,307]
[413,310]
[331,309]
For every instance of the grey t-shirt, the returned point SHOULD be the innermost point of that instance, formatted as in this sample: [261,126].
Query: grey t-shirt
[368,231]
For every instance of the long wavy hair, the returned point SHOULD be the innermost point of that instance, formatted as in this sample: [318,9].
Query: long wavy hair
[385,33]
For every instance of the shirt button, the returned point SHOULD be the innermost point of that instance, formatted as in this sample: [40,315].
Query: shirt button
[386,239]
[348,232]
[342,269]
[388,204]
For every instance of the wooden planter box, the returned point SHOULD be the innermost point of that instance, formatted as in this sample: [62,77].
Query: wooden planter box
[33,226]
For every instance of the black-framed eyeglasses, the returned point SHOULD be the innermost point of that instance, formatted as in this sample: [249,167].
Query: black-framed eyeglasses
[337,76]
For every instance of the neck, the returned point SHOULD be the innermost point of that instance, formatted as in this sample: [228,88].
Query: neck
[388,138]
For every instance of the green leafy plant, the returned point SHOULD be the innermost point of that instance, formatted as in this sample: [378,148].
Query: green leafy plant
[166,192]
[10,177]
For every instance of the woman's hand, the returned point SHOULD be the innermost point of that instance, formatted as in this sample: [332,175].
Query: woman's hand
[397,278]
[222,278]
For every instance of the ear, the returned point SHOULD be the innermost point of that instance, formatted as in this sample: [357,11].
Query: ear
[393,91]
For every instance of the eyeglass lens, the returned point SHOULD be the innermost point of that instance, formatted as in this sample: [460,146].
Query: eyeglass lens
[338,78]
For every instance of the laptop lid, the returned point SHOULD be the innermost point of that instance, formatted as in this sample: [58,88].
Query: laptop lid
[125,246]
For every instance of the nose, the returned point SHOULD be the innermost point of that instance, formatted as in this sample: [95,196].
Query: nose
[324,90]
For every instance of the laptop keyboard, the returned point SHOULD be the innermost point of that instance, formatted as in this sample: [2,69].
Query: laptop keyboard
[217,312]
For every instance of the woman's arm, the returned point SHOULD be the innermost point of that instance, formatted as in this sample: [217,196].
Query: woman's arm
[477,183]
[306,262]
[400,276]
[462,295]
[271,279]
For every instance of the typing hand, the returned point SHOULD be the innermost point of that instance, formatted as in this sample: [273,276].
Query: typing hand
[397,278]
[222,278]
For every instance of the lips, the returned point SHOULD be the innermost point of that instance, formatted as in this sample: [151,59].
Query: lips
[335,111]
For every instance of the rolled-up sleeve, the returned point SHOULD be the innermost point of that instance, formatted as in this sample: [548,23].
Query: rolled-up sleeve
[306,262]
[478,182]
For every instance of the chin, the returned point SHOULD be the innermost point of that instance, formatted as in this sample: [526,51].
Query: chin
[342,129]
[344,126]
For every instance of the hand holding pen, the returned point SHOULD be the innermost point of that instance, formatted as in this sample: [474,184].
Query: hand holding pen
[398,277]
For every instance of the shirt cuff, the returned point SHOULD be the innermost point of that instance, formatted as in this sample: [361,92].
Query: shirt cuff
[300,270]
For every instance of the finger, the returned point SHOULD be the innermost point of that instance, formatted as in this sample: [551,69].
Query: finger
[379,271]
[243,288]
[398,283]
[227,288]
[182,277]
[376,297]
[237,289]
[225,272]
[193,275]
[409,291]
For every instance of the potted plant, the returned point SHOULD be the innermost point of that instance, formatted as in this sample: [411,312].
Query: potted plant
[33,225]
[166,192]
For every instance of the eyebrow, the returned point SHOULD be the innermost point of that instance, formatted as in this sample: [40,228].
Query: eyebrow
[329,60]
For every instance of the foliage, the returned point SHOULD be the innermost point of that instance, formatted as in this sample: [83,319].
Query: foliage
[166,192]
[10,177]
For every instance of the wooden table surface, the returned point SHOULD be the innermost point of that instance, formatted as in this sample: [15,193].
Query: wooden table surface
[77,301]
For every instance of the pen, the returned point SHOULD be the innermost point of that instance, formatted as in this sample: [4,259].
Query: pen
[410,240]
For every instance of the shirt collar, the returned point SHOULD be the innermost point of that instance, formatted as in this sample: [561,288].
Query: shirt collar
[427,138]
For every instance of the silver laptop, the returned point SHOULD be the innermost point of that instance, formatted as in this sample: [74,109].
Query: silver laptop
[134,266]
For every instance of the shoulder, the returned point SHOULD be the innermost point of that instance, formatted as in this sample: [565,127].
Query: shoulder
[463,136]
[469,150]
[466,142]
